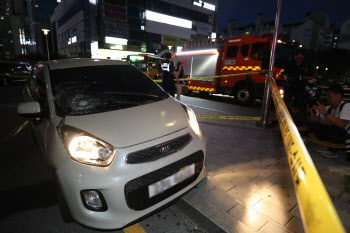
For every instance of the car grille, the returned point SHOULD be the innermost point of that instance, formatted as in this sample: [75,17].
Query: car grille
[159,151]
[136,191]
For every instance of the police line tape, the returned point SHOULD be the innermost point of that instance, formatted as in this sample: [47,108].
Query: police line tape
[210,77]
[324,143]
[14,132]
[316,208]
[244,118]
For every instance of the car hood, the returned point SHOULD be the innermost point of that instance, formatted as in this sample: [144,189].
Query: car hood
[127,127]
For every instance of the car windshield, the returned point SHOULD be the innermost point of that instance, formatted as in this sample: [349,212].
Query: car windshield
[95,89]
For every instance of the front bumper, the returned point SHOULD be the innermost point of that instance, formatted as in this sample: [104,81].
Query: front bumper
[124,186]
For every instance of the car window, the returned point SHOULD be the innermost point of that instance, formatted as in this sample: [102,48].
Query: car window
[94,89]
[245,50]
[260,51]
[232,51]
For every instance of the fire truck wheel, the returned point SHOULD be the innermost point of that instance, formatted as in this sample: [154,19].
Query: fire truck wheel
[244,94]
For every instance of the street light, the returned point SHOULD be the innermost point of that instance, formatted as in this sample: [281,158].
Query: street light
[46,31]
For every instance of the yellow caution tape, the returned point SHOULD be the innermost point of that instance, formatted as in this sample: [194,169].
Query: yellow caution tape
[244,118]
[324,143]
[14,132]
[136,228]
[316,208]
[210,77]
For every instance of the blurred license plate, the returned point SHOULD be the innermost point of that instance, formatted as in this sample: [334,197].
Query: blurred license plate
[170,181]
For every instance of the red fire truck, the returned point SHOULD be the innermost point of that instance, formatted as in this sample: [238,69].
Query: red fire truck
[243,54]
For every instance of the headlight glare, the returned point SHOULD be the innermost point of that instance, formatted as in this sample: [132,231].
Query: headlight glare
[86,148]
[192,119]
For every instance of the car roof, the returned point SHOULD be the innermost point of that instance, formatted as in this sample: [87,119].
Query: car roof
[81,62]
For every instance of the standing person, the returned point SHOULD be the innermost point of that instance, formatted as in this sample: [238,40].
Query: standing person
[180,69]
[332,122]
[180,75]
[169,74]
[297,75]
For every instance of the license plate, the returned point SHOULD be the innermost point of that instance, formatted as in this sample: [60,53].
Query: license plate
[170,181]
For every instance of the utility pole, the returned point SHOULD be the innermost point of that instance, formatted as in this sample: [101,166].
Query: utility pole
[265,111]
[46,32]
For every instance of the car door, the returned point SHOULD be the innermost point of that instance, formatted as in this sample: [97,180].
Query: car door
[37,89]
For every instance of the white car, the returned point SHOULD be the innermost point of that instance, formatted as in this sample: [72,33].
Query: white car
[119,146]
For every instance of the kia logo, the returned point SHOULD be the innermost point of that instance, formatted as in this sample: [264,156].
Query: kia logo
[164,149]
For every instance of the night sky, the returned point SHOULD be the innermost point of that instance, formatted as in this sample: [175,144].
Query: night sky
[293,11]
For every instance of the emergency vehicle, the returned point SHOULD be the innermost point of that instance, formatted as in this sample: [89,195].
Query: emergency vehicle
[235,55]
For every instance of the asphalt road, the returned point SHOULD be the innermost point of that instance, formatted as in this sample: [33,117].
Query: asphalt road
[27,190]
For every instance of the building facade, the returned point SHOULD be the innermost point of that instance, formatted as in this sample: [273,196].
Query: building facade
[343,41]
[35,17]
[117,28]
[314,32]
[7,45]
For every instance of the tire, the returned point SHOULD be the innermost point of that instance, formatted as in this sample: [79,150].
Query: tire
[63,206]
[244,95]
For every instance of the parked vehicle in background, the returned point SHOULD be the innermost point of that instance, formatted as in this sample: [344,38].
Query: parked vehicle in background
[235,55]
[11,72]
[148,64]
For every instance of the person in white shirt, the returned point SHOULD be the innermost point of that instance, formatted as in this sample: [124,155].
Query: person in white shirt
[331,123]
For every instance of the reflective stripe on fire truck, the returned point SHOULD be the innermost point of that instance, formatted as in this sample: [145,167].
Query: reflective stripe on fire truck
[201,88]
[278,74]
[254,68]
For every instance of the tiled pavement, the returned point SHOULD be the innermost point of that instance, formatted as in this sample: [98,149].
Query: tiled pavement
[248,187]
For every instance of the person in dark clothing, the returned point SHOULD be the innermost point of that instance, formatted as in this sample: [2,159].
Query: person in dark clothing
[180,70]
[169,74]
[297,75]
[299,114]
[298,67]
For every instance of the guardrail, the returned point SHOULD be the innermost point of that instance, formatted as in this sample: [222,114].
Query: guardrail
[316,208]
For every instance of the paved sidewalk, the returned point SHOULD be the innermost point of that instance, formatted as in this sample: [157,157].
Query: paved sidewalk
[249,187]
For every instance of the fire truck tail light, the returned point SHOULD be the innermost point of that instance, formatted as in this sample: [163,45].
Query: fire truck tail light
[282,93]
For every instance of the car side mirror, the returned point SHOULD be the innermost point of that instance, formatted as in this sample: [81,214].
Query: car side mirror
[29,109]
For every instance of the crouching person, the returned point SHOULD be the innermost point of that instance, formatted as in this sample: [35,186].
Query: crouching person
[331,123]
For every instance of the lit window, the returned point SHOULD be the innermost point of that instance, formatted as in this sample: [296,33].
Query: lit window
[115,40]
[142,27]
[162,18]
[93,2]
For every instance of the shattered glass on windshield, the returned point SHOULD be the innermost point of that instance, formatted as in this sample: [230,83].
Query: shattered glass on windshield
[89,90]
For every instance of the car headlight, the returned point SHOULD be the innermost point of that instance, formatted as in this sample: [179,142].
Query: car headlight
[86,148]
[192,119]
